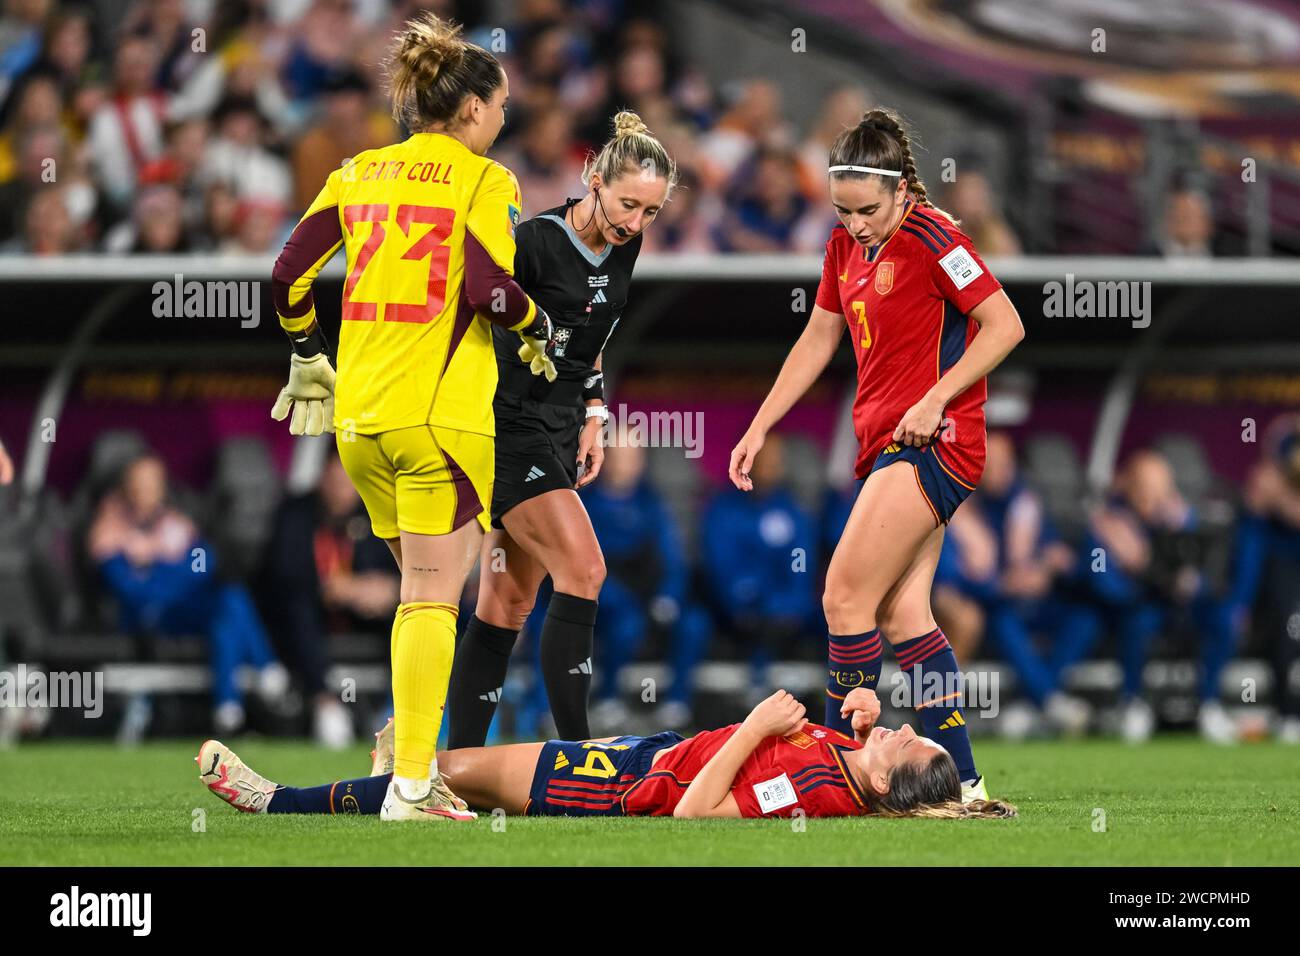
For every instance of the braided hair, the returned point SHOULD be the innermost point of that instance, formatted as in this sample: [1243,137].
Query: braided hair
[881,141]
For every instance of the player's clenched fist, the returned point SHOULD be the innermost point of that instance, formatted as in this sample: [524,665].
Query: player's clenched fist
[777,716]
[864,705]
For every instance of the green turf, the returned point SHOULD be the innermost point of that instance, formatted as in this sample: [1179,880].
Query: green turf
[1174,801]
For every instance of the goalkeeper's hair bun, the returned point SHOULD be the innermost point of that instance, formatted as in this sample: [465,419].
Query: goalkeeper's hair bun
[431,70]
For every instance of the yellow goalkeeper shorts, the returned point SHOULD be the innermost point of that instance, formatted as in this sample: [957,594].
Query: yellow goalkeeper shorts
[422,480]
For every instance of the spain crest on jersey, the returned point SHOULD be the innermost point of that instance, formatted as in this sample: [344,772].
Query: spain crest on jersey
[884,277]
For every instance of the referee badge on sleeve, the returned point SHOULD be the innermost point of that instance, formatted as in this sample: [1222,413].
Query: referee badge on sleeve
[561,341]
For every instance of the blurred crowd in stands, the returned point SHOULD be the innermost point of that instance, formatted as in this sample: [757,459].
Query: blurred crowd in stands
[1157,568]
[149,133]
[126,126]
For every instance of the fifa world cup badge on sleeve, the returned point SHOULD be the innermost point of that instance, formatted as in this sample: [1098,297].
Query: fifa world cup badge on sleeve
[961,267]
[775,794]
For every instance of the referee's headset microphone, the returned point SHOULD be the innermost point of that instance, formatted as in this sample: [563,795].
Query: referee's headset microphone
[619,230]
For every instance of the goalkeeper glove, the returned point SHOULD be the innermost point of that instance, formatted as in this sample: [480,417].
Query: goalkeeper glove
[537,338]
[311,386]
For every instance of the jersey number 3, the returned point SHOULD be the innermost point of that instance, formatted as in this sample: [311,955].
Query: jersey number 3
[430,246]
[860,310]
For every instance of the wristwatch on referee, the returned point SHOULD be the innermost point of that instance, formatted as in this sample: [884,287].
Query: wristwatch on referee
[598,411]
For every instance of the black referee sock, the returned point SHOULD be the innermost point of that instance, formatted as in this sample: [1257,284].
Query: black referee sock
[477,675]
[567,639]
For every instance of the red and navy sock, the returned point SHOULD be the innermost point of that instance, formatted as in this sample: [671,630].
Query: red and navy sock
[853,660]
[937,693]
[364,796]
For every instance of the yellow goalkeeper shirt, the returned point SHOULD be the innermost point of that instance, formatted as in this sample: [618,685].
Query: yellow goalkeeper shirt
[428,229]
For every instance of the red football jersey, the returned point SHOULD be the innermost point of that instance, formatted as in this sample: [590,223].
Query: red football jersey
[805,770]
[907,302]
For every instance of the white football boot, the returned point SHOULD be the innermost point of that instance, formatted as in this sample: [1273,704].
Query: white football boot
[440,801]
[222,772]
[437,804]
[974,790]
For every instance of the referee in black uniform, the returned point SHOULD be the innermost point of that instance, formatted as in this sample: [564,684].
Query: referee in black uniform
[575,261]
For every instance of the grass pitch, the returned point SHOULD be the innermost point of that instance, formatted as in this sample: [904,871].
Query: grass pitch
[1174,801]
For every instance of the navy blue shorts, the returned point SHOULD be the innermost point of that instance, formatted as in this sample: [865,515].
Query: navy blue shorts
[942,490]
[588,779]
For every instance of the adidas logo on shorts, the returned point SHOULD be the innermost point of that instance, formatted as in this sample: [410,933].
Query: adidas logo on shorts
[534,472]
[492,696]
[583,668]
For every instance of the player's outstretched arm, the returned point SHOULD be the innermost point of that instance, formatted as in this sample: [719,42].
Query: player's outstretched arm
[805,363]
[709,794]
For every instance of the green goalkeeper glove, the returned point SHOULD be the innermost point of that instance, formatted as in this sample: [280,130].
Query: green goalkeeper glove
[310,391]
[537,339]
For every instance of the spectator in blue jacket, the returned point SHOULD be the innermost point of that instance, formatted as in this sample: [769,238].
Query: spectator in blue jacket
[759,556]
[1139,572]
[1018,588]
[1266,567]
[647,583]
[163,575]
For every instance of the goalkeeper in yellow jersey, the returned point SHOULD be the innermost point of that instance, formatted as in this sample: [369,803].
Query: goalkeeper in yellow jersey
[428,229]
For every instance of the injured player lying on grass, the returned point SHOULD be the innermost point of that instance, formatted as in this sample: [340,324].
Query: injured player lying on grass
[774,764]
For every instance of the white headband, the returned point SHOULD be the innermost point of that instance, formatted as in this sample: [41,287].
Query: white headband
[865,169]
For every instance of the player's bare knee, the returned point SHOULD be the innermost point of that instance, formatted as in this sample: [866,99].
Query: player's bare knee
[583,579]
[516,612]
[416,590]
[887,621]
[845,610]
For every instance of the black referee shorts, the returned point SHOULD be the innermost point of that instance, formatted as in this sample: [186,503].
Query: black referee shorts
[536,450]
